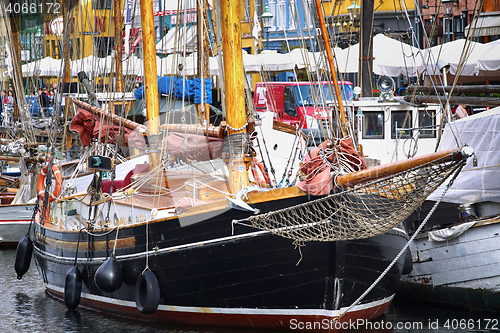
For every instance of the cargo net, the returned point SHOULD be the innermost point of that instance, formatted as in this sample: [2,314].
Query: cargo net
[364,211]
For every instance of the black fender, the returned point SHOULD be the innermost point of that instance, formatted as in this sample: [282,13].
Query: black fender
[147,292]
[408,265]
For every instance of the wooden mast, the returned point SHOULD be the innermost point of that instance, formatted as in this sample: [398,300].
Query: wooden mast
[203,53]
[150,80]
[238,163]
[118,18]
[15,25]
[66,54]
[332,68]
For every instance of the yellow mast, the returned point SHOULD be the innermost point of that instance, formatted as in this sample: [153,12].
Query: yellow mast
[237,139]
[150,79]
[117,11]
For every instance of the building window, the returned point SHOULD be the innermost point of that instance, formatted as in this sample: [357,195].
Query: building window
[400,120]
[101,4]
[55,50]
[373,125]
[102,46]
[272,10]
[291,17]
[308,19]
[258,8]
[246,8]
[427,119]
[281,15]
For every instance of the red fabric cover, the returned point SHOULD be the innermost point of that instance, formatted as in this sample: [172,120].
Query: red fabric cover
[185,203]
[120,184]
[86,124]
[193,146]
[318,179]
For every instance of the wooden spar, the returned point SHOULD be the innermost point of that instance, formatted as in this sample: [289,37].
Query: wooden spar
[212,131]
[363,176]
[483,88]
[118,18]
[10,158]
[114,118]
[456,100]
[150,78]
[234,89]
[332,68]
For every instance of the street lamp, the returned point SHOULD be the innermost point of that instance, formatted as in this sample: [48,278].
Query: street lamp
[266,22]
[353,11]
[448,13]
[447,7]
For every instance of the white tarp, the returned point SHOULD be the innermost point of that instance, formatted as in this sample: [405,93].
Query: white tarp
[475,183]
[45,67]
[489,62]
[178,40]
[457,53]
[391,57]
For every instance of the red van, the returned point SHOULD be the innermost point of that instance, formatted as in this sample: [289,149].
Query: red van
[294,102]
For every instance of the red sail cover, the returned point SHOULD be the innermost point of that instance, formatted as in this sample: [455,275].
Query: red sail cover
[318,180]
[87,125]
[193,146]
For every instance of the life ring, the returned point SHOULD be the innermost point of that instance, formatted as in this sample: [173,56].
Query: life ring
[255,172]
[147,292]
[40,185]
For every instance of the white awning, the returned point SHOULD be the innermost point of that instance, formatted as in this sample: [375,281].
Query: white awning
[176,39]
[487,25]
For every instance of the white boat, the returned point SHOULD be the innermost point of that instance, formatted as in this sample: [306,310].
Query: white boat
[456,260]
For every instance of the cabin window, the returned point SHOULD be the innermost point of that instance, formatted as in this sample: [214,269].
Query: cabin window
[427,119]
[288,97]
[373,125]
[400,120]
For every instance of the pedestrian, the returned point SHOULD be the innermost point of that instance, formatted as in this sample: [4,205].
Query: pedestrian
[51,97]
[8,108]
[3,94]
[44,101]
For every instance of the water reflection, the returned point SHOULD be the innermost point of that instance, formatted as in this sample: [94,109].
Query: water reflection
[26,307]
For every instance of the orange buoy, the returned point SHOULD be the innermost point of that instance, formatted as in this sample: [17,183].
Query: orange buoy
[41,183]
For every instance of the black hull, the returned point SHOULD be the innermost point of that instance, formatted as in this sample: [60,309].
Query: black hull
[210,276]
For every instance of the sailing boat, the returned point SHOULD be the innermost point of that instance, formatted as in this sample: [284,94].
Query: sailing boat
[230,253]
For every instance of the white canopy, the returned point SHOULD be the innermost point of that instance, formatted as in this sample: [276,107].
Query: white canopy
[178,40]
[391,57]
[452,53]
[45,67]
[489,62]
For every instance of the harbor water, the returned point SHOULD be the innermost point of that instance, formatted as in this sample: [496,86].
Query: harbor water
[26,307]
